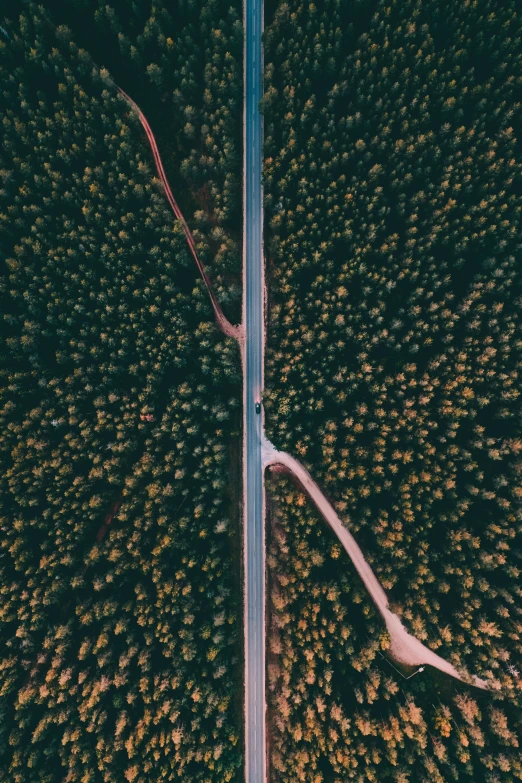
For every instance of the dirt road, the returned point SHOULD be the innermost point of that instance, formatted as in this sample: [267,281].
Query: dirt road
[405,648]
[224,324]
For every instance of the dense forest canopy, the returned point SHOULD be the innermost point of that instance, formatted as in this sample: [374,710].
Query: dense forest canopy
[393,200]
[393,192]
[338,710]
[182,62]
[120,646]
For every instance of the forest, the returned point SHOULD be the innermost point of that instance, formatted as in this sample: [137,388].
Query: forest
[393,198]
[120,402]
[393,201]
[338,709]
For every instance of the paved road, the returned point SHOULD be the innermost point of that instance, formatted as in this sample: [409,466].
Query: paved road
[253,321]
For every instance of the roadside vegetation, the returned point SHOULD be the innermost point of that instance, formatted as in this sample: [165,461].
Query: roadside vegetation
[120,643]
[394,202]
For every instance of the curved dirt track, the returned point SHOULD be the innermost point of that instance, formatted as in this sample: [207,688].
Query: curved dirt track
[224,324]
[405,648]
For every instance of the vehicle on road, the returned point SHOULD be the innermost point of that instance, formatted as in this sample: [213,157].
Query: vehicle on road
[258,407]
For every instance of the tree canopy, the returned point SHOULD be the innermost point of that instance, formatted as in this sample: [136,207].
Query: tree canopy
[120,649]
[393,194]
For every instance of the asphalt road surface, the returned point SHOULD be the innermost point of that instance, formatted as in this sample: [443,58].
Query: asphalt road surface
[253,320]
